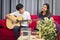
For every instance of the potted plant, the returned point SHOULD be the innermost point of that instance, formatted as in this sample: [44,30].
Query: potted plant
[47,29]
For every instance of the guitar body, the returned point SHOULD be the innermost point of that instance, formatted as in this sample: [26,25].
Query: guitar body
[10,24]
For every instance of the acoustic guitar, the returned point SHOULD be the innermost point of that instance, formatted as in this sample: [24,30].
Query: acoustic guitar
[10,24]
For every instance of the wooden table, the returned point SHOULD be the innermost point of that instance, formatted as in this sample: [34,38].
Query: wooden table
[33,37]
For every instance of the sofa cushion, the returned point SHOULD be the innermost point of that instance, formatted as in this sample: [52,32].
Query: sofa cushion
[33,24]
[57,19]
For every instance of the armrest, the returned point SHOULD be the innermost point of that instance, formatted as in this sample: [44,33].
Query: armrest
[57,26]
[3,23]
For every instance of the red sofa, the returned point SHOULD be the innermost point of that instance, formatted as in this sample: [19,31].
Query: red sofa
[8,34]
[5,34]
[57,21]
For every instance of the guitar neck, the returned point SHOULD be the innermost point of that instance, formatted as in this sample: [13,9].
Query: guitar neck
[27,20]
[22,20]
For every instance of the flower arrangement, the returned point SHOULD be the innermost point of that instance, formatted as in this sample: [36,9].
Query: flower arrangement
[47,29]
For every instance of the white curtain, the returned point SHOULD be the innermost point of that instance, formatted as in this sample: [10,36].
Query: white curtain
[57,7]
[30,5]
[33,6]
[0,9]
[5,7]
[13,5]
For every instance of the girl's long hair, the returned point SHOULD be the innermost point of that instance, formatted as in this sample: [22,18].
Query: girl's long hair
[47,12]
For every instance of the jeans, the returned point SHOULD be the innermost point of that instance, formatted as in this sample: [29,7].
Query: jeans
[16,29]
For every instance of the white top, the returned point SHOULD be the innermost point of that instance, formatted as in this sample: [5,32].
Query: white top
[25,16]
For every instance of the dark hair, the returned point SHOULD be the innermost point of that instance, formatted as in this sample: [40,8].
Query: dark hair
[19,6]
[48,10]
